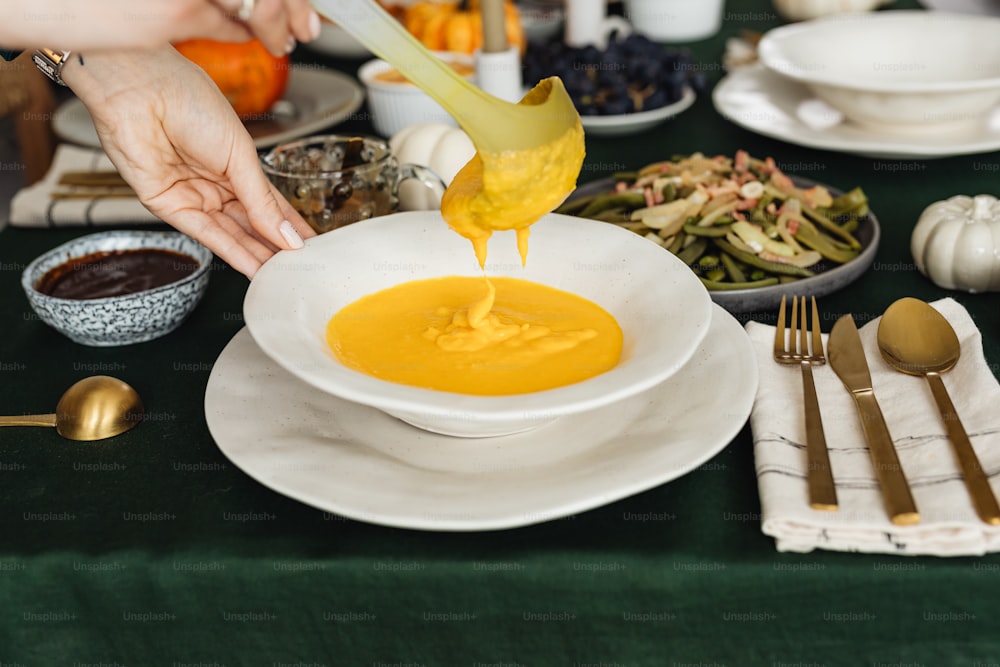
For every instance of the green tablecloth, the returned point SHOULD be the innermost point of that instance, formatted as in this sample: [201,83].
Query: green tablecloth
[152,549]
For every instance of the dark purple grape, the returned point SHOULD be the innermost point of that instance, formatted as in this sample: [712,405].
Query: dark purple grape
[698,82]
[586,86]
[658,98]
[589,55]
[613,54]
[639,43]
[618,105]
[607,78]
[649,72]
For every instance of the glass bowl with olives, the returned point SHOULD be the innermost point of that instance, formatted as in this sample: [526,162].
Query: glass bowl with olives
[335,180]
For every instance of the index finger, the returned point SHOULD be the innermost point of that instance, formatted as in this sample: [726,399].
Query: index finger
[277,223]
[269,23]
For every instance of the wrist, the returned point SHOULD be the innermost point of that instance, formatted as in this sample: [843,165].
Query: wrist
[102,74]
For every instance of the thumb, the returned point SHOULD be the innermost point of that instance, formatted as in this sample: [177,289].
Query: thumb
[254,192]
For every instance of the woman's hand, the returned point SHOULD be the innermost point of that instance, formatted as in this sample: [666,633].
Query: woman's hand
[126,24]
[177,141]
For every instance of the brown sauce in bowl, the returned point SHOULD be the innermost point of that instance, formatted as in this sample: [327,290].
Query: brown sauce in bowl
[115,273]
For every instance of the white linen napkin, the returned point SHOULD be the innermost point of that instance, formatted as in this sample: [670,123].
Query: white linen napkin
[949,525]
[34,205]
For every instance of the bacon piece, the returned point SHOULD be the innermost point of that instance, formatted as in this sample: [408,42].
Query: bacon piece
[741,162]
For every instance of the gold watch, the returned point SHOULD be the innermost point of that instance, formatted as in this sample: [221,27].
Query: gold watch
[51,63]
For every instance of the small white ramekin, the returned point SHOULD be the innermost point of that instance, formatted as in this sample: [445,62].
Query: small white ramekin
[397,105]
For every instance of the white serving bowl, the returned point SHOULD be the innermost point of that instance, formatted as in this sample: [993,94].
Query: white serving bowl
[542,19]
[335,41]
[661,306]
[129,318]
[894,71]
[397,105]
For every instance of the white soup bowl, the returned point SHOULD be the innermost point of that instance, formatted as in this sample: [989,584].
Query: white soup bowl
[661,306]
[894,71]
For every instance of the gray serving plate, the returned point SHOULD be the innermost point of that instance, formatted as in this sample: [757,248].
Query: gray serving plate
[831,279]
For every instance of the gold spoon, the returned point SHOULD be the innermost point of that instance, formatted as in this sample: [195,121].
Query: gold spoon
[94,408]
[494,125]
[917,340]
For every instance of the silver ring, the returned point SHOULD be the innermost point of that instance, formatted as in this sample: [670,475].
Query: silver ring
[246,10]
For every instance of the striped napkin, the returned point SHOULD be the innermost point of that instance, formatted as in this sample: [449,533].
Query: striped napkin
[39,206]
[949,525]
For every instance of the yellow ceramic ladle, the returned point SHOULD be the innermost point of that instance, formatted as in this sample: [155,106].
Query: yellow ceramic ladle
[494,125]
[94,408]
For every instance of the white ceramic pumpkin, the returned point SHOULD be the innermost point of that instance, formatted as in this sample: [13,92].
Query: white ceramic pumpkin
[956,243]
[441,148]
[803,10]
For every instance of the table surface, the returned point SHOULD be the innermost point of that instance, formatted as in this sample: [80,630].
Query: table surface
[153,549]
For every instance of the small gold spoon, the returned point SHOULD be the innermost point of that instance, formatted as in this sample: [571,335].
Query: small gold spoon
[94,408]
[917,340]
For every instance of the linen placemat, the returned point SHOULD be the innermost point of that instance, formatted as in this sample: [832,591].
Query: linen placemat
[949,524]
[35,205]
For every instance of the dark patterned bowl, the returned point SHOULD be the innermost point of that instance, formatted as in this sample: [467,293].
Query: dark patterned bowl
[119,320]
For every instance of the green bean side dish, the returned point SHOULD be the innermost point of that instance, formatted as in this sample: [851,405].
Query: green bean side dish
[738,222]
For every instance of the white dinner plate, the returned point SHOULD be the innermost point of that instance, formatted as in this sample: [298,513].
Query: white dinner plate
[981,7]
[633,123]
[767,103]
[358,462]
[314,99]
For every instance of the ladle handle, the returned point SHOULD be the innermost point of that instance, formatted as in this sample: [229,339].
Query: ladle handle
[976,481]
[28,420]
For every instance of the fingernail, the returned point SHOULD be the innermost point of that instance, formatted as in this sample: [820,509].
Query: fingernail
[292,236]
[314,25]
[290,44]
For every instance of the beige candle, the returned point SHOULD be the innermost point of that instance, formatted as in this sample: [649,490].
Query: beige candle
[494,29]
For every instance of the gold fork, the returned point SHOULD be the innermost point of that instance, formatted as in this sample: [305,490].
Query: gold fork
[822,493]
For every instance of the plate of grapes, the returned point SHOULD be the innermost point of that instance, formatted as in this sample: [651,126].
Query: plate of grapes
[629,86]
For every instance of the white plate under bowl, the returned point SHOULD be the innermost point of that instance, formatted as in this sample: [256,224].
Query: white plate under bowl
[357,462]
[663,309]
[314,99]
[633,123]
[769,104]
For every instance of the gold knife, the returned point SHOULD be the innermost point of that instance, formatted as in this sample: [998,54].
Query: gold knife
[847,359]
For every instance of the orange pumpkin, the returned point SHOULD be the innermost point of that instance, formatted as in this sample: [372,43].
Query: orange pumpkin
[250,77]
[451,26]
